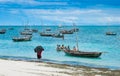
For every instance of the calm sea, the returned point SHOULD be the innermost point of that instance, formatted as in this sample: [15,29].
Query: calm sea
[90,38]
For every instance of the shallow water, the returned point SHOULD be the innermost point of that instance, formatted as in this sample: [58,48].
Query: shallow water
[90,38]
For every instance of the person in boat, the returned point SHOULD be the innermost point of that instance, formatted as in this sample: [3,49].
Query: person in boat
[58,47]
[74,48]
[62,47]
[68,48]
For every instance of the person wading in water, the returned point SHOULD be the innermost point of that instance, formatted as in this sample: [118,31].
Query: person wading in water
[39,50]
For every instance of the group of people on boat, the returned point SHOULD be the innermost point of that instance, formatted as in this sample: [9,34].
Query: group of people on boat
[62,48]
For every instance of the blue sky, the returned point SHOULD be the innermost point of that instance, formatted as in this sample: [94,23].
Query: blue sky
[55,12]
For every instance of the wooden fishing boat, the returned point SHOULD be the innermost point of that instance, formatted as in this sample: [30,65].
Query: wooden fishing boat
[75,29]
[2,31]
[30,36]
[48,29]
[47,34]
[77,52]
[58,35]
[83,53]
[34,30]
[66,32]
[26,33]
[111,33]
[24,38]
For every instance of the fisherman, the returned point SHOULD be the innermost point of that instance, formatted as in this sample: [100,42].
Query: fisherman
[58,47]
[68,48]
[74,48]
[62,47]
[65,48]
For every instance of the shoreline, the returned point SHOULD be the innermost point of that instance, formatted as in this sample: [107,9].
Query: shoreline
[70,63]
[27,68]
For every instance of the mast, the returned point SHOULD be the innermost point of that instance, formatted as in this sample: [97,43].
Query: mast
[26,25]
[42,24]
[76,38]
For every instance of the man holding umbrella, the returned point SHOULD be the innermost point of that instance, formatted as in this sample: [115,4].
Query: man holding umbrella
[39,50]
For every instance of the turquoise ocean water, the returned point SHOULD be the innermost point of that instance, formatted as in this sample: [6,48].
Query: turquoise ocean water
[90,38]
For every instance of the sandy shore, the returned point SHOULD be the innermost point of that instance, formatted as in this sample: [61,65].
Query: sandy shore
[23,68]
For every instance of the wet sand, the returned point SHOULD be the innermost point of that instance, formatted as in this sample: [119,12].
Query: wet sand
[25,68]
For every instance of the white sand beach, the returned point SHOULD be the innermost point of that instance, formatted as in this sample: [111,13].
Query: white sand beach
[24,68]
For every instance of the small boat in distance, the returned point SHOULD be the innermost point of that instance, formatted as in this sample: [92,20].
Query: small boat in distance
[26,32]
[34,30]
[58,35]
[67,31]
[111,33]
[23,38]
[2,31]
[48,29]
[47,34]
[75,29]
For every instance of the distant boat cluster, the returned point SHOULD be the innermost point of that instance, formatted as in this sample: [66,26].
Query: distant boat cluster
[27,33]
[59,34]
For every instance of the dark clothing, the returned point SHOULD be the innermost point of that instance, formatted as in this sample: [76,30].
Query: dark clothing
[39,54]
[39,50]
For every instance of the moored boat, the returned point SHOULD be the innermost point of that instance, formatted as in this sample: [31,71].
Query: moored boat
[78,53]
[34,30]
[58,35]
[26,33]
[48,29]
[75,29]
[66,32]
[83,53]
[2,31]
[111,33]
[47,34]
[24,38]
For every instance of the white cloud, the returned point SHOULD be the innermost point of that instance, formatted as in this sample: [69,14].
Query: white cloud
[4,0]
[33,2]
[67,16]
[60,12]
[60,19]
[64,15]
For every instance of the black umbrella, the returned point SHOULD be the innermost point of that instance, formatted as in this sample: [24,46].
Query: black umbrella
[38,48]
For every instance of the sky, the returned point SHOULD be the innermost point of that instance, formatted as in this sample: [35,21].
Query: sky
[56,12]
